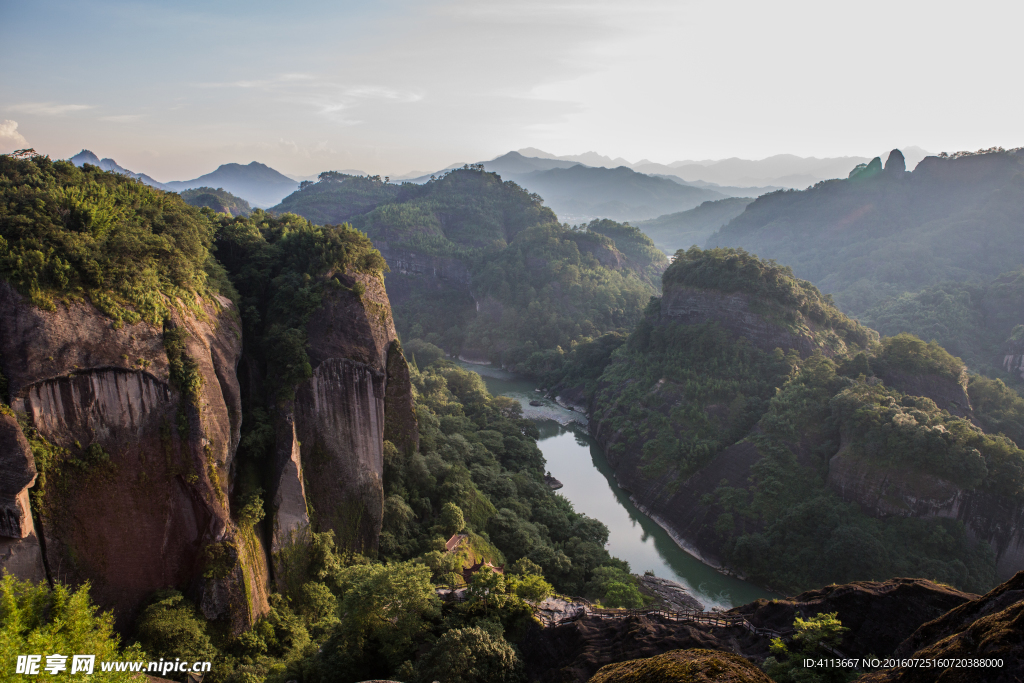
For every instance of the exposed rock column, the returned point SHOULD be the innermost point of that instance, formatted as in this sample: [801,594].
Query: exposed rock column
[20,553]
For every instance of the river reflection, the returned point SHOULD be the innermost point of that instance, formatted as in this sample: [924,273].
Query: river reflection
[574,459]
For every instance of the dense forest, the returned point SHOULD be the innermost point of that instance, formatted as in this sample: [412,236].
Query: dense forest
[878,235]
[220,200]
[684,229]
[83,235]
[481,268]
[674,397]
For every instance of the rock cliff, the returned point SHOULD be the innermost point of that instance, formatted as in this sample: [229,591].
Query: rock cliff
[885,491]
[20,553]
[331,435]
[134,496]
[742,315]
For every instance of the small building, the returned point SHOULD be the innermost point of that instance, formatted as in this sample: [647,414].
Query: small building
[454,542]
[467,573]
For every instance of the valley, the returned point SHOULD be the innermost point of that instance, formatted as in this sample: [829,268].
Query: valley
[289,405]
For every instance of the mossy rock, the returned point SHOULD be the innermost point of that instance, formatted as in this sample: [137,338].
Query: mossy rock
[683,666]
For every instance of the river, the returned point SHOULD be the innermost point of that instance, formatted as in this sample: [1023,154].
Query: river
[579,463]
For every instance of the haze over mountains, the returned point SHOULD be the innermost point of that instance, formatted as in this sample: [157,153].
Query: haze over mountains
[785,170]
[579,188]
[256,183]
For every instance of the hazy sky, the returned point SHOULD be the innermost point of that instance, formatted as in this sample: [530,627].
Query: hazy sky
[174,89]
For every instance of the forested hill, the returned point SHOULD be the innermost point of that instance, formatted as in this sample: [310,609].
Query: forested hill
[337,197]
[776,436]
[581,193]
[883,232]
[683,229]
[220,200]
[481,268]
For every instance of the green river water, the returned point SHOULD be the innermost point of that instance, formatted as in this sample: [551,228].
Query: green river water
[574,459]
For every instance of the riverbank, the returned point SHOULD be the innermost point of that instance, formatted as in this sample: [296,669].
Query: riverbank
[578,462]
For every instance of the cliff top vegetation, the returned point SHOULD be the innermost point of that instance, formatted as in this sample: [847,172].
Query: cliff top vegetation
[84,233]
[735,270]
[220,200]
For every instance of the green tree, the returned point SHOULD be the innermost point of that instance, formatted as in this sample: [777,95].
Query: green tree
[470,655]
[171,627]
[530,587]
[452,520]
[621,594]
[387,606]
[37,620]
[810,640]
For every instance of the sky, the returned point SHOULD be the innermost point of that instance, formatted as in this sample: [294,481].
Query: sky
[392,86]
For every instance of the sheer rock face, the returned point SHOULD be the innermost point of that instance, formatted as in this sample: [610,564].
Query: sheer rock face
[948,394]
[883,491]
[141,483]
[734,312]
[331,436]
[20,553]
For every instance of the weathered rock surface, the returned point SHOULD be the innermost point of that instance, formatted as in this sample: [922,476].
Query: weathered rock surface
[882,618]
[331,436]
[20,552]
[884,491]
[140,488]
[948,394]
[683,666]
[553,610]
[577,650]
[989,627]
[670,595]
[879,614]
[17,475]
[736,313]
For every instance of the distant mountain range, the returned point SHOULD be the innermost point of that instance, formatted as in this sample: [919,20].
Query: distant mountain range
[581,193]
[87,157]
[781,170]
[687,228]
[256,183]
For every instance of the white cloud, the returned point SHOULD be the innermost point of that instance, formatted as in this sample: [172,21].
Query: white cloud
[10,138]
[48,108]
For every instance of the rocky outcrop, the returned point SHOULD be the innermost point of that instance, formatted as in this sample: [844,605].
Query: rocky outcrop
[439,270]
[737,312]
[947,392]
[989,627]
[884,491]
[577,650]
[879,614]
[331,435]
[138,483]
[20,553]
[896,164]
[668,594]
[683,666]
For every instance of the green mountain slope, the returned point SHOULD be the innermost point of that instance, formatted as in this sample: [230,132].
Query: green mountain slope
[581,193]
[480,267]
[880,234]
[684,229]
[220,200]
[337,197]
[734,414]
